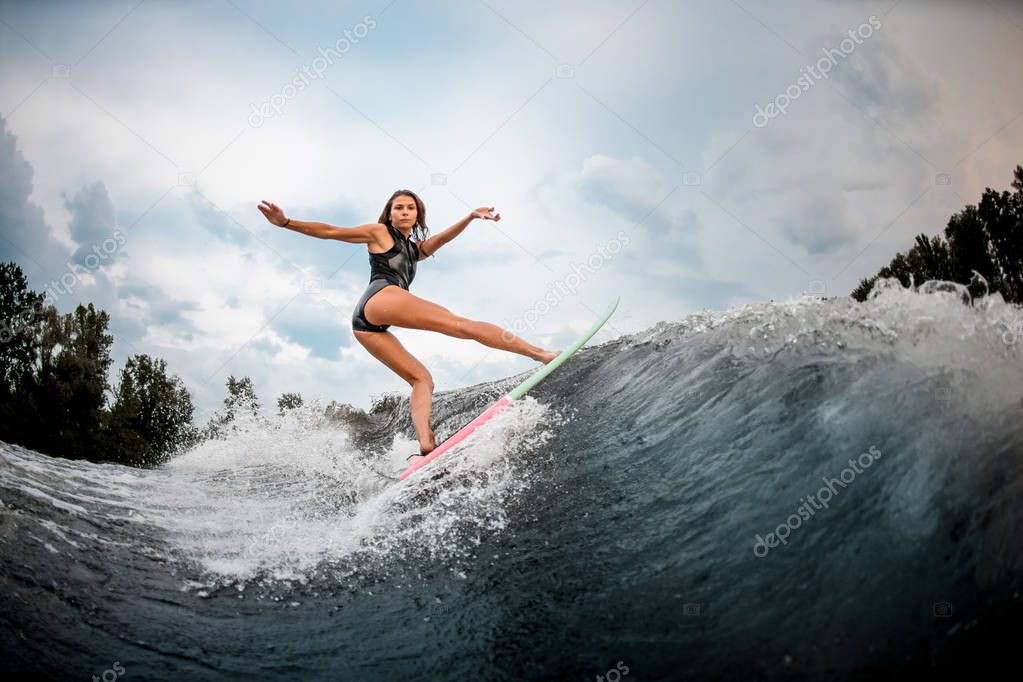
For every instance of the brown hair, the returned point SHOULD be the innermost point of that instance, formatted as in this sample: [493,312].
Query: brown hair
[419,230]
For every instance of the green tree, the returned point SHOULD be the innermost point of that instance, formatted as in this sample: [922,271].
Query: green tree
[1002,215]
[53,385]
[986,239]
[928,259]
[288,401]
[970,250]
[241,398]
[62,404]
[20,311]
[150,416]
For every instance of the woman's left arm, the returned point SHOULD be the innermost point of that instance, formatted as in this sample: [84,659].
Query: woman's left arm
[429,246]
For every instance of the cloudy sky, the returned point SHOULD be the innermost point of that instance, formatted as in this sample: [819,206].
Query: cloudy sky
[682,155]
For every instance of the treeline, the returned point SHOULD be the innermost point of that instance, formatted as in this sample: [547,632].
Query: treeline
[986,239]
[55,396]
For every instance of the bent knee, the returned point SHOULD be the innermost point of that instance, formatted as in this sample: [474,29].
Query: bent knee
[421,378]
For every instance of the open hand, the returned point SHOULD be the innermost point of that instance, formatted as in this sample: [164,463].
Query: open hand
[486,213]
[273,213]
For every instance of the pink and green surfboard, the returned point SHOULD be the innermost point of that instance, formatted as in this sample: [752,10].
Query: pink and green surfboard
[514,394]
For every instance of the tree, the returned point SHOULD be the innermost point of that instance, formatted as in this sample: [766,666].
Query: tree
[1002,215]
[970,250]
[288,401]
[61,404]
[150,416]
[241,397]
[53,385]
[986,239]
[20,310]
[928,259]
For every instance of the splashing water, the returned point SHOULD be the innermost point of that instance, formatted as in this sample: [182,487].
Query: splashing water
[613,516]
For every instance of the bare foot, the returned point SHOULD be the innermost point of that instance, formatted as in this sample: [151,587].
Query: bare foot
[430,446]
[547,356]
[424,448]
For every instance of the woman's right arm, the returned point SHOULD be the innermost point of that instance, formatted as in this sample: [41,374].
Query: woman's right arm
[363,234]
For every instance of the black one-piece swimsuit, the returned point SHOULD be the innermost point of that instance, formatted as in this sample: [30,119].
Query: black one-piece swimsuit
[395,266]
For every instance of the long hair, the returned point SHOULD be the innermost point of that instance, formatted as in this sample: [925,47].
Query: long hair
[419,230]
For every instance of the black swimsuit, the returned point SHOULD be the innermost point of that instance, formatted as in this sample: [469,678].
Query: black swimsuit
[395,266]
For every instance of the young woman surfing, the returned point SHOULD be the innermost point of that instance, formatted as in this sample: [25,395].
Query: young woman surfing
[393,255]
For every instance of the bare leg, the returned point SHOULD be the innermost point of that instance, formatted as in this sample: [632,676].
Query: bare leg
[422,397]
[395,306]
[385,347]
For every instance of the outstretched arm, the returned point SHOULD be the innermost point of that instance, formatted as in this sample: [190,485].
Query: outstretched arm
[358,235]
[429,246]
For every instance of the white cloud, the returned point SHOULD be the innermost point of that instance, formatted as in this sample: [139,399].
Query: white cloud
[569,162]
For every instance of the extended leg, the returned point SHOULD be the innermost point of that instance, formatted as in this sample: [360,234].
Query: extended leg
[394,306]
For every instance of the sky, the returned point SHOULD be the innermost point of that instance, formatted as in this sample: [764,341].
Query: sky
[681,155]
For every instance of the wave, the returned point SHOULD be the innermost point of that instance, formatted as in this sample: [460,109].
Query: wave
[810,488]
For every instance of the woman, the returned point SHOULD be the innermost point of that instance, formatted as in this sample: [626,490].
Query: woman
[392,259]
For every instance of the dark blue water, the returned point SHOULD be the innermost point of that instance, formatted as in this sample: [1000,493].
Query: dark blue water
[606,527]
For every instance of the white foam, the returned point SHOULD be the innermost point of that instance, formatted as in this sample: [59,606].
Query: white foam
[277,500]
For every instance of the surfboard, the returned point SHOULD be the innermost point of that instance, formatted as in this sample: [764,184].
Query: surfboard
[514,394]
